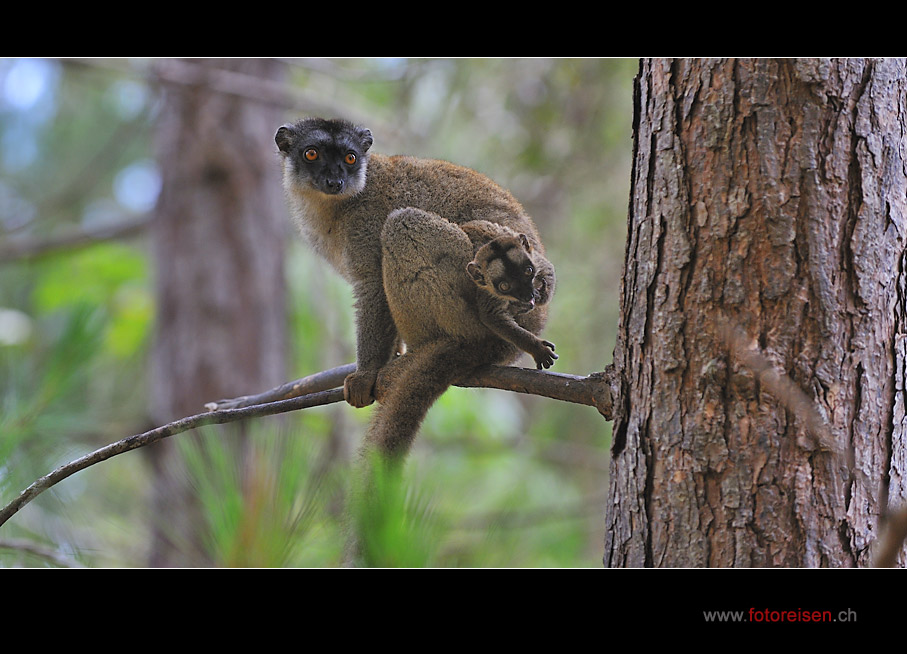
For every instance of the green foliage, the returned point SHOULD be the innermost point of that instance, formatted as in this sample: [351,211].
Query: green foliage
[261,504]
[45,399]
[503,506]
[474,415]
[393,525]
[110,277]
[40,393]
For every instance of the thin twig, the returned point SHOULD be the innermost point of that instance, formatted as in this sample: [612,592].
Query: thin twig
[320,381]
[593,390]
[159,433]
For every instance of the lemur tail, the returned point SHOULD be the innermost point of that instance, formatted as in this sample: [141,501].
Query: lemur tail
[414,382]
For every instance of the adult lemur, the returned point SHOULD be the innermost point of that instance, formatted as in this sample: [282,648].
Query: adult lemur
[358,210]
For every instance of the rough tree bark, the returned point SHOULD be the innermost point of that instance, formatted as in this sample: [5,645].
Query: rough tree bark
[770,196]
[218,235]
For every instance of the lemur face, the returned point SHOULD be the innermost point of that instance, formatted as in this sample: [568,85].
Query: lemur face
[328,156]
[504,268]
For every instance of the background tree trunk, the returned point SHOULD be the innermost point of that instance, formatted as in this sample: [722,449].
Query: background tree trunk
[218,238]
[770,194]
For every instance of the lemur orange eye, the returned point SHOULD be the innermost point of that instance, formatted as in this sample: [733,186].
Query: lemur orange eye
[503,287]
[350,158]
[311,154]
[528,271]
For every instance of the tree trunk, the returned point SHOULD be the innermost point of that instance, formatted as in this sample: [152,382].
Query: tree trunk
[768,196]
[218,239]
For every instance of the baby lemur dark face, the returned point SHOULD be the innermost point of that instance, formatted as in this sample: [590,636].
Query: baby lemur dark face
[504,268]
[329,156]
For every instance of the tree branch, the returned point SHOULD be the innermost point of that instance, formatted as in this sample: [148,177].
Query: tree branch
[159,433]
[320,389]
[34,247]
[320,381]
[595,390]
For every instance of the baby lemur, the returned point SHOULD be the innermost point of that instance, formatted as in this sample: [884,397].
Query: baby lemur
[513,280]
[389,225]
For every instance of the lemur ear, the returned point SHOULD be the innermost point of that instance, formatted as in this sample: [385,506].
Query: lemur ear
[525,241]
[365,139]
[475,273]
[285,137]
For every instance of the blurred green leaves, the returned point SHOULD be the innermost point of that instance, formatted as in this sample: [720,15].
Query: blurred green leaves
[261,503]
[44,394]
[393,525]
[112,278]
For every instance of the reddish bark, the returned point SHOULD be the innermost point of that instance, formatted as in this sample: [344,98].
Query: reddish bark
[769,194]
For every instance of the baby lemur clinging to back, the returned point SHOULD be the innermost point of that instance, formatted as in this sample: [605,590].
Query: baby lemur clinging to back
[513,280]
[389,225]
